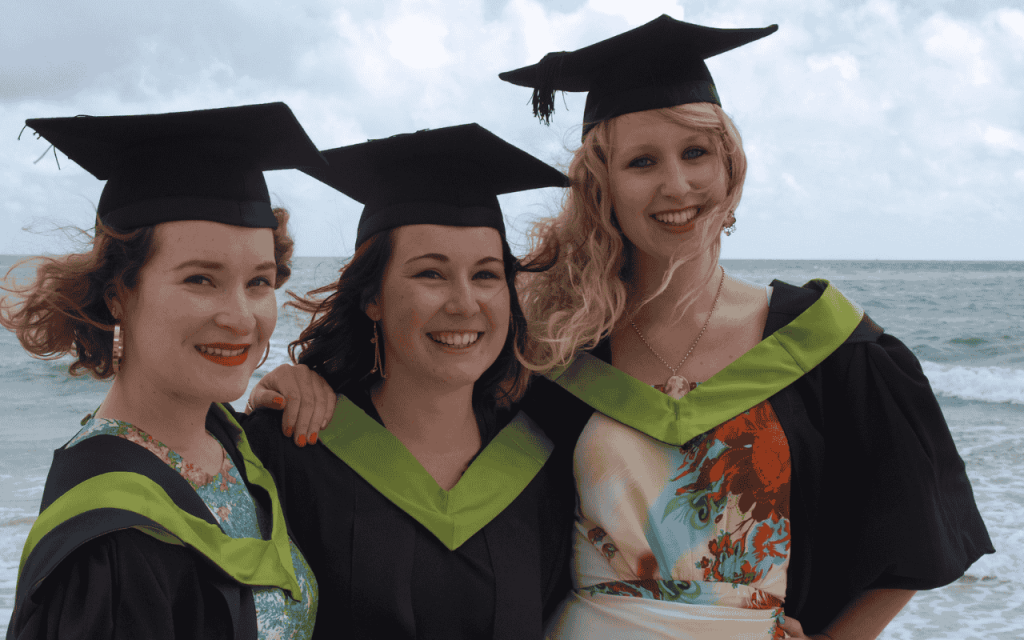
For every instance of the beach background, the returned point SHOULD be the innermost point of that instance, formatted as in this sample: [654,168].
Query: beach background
[963,320]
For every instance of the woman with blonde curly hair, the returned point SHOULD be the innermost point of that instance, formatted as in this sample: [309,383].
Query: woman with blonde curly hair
[753,460]
[157,520]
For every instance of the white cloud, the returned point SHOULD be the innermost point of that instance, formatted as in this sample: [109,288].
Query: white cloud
[959,45]
[637,12]
[843,62]
[1003,139]
[1013,21]
[417,41]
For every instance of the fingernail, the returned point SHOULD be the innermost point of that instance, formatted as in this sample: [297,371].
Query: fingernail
[312,438]
[301,441]
[288,431]
[278,401]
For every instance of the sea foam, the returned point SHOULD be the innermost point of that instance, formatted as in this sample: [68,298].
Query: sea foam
[988,384]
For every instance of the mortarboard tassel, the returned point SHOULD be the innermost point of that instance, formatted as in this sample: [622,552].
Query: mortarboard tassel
[549,71]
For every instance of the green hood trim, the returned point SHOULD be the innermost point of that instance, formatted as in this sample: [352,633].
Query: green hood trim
[250,561]
[500,472]
[772,365]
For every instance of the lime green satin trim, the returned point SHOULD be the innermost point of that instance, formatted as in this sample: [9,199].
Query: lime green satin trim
[772,365]
[250,561]
[259,476]
[494,479]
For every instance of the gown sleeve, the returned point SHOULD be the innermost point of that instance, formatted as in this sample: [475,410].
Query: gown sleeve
[893,506]
[125,585]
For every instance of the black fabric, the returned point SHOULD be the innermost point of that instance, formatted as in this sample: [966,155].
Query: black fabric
[191,165]
[382,575]
[94,576]
[127,585]
[448,176]
[658,64]
[879,496]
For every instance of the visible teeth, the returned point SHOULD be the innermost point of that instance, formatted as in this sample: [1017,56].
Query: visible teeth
[678,217]
[221,352]
[454,339]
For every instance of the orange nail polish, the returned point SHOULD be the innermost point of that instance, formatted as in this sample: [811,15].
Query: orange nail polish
[278,401]
[301,441]
[312,438]
[288,431]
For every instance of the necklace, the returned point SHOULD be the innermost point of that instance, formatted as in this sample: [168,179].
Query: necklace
[678,386]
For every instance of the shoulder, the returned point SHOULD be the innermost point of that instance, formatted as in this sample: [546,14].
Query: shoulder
[789,302]
[107,581]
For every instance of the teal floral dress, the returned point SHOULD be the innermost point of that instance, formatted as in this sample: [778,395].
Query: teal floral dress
[278,617]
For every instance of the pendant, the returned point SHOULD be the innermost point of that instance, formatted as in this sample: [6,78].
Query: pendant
[676,386]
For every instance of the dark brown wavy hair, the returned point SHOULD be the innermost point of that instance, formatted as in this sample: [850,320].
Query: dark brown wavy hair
[64,309]
[336,344]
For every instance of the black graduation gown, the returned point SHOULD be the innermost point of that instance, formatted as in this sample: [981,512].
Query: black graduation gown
[383,574]
[98,575]
[879,495]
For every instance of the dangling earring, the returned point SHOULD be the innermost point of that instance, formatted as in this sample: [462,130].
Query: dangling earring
[377,364]
[729,227]
[118,350]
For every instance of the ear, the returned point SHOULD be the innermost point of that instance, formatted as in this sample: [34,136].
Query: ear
[372,311]
[114,304]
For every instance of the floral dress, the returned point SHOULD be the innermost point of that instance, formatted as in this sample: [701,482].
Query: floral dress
[680,542]
[278,617]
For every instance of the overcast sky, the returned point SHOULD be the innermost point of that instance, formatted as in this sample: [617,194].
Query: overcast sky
[873,129]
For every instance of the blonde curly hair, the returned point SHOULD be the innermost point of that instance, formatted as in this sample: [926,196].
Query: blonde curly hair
[577,301]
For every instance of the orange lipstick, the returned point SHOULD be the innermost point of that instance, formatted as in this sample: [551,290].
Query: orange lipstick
[224,354]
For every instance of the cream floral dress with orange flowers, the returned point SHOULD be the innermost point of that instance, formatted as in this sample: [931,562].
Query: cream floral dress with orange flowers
[278,617]
[680,542]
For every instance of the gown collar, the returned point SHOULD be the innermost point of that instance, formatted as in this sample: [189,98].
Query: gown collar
[770,366]
[494,479]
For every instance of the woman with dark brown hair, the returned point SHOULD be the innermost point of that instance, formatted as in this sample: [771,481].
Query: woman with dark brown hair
[432,507]
[157,520]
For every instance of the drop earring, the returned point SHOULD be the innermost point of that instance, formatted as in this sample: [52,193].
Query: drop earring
[377,364]
[118,351]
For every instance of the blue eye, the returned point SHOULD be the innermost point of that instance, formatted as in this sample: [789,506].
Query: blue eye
[641,163]
[693,154]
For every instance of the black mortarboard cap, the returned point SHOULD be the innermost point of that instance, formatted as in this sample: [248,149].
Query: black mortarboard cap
[189,165]
[659,64]
[450,176]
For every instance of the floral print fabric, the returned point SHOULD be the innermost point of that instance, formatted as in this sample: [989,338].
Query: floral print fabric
[706,524]
[278,617]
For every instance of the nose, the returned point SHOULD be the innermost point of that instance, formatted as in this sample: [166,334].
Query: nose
[675,181]
[236,313]
[462,299]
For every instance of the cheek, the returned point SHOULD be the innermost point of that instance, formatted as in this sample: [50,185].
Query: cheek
[266,316]
[406,314]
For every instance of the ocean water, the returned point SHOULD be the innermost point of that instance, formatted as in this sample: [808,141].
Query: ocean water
[963,320]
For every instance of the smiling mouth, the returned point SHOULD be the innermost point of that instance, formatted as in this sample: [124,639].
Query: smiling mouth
[456,339]
[674,218]
[228,355]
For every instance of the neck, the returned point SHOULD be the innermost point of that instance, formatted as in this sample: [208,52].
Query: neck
[692,287]
[178,422]
[438,417]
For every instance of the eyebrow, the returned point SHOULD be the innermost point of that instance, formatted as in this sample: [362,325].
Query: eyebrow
[440,257]
[213,265]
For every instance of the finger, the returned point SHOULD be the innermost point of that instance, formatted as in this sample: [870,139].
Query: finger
[304,419]
[793,628]
[327,402]
[266,398]
[289,415]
